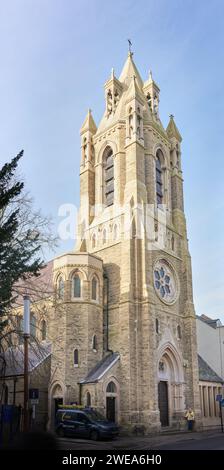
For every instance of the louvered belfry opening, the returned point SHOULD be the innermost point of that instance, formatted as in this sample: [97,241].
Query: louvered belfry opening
[108,176]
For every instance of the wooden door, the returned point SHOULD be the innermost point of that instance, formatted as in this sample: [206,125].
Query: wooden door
[163,403]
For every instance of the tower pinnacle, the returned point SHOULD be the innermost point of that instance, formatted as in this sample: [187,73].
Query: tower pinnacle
[89,124]
[172,129]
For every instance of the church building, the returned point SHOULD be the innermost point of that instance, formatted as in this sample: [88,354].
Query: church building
[124,329]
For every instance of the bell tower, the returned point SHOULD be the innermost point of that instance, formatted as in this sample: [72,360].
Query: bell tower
[87,177]
[152,91]
[132,218]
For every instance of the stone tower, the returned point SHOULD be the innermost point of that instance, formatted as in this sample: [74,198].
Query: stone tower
[132,240]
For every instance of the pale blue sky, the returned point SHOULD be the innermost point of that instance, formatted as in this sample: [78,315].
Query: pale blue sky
[55,58]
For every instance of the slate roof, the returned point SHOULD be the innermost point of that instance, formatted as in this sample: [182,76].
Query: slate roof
[207,374]
[214,323]
[37,287]
[101,368]
[14,358]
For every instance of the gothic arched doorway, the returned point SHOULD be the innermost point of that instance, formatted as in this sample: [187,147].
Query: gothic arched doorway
[170,384]
[56,397]
[111,401]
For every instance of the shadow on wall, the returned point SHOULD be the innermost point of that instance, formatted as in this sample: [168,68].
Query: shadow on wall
[112,272]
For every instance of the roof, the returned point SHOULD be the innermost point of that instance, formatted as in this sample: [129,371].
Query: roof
[14,358]
[131,86]
[206,373]
[101,368]
[130,70]
[89,124]
[134,90]
[172,130]
[37,287]
[214,323]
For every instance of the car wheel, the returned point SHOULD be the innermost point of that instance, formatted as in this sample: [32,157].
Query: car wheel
[61,432]
[94,435]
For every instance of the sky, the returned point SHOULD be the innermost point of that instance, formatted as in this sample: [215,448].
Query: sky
[55,58]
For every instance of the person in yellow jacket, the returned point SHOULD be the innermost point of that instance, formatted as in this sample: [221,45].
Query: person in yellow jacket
[189,415]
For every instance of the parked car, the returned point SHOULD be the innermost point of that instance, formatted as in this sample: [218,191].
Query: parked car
[85,422]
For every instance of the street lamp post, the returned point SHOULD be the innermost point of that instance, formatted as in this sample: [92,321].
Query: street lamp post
[26,336]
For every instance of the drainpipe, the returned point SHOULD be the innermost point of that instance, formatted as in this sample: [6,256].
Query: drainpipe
[106,309]
[80,393]
[14,390]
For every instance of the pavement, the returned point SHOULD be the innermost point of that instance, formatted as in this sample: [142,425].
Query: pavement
[209,440]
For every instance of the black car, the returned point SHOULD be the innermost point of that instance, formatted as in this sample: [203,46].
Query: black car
[85,422]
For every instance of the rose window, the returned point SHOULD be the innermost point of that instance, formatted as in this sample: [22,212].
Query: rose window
[164,281]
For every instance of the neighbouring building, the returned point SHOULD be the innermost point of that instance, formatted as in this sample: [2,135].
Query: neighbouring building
[210,386]
[210,339]
[12,379]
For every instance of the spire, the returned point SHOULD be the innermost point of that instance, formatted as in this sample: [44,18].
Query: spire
[89,124]
[133,90]
[130,70]
[172,130]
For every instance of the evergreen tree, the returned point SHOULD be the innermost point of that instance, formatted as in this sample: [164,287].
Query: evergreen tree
[19,249]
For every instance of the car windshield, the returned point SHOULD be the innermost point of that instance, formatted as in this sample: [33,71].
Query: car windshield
[95,415]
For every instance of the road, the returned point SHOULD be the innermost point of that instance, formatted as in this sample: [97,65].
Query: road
[211,443]
[186,441]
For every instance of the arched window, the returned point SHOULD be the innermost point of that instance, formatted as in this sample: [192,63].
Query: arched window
[115,232]
[92,155]
[94,343]
[179,332]
[172,242]
[139,130]
[60,288]
[149,100]
[85,150]
[76,286]
[130,122]
[157,325]
[104,236]
[116,98]
[111,388]
[33,326]
[43,330]
[94,288]
[109,103]
[76,358]
[108,176]
[156,105]
[88,399]
[178,157]
[94,241]
[159,182]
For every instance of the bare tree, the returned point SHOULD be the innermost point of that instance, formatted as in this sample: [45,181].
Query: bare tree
[26,236]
